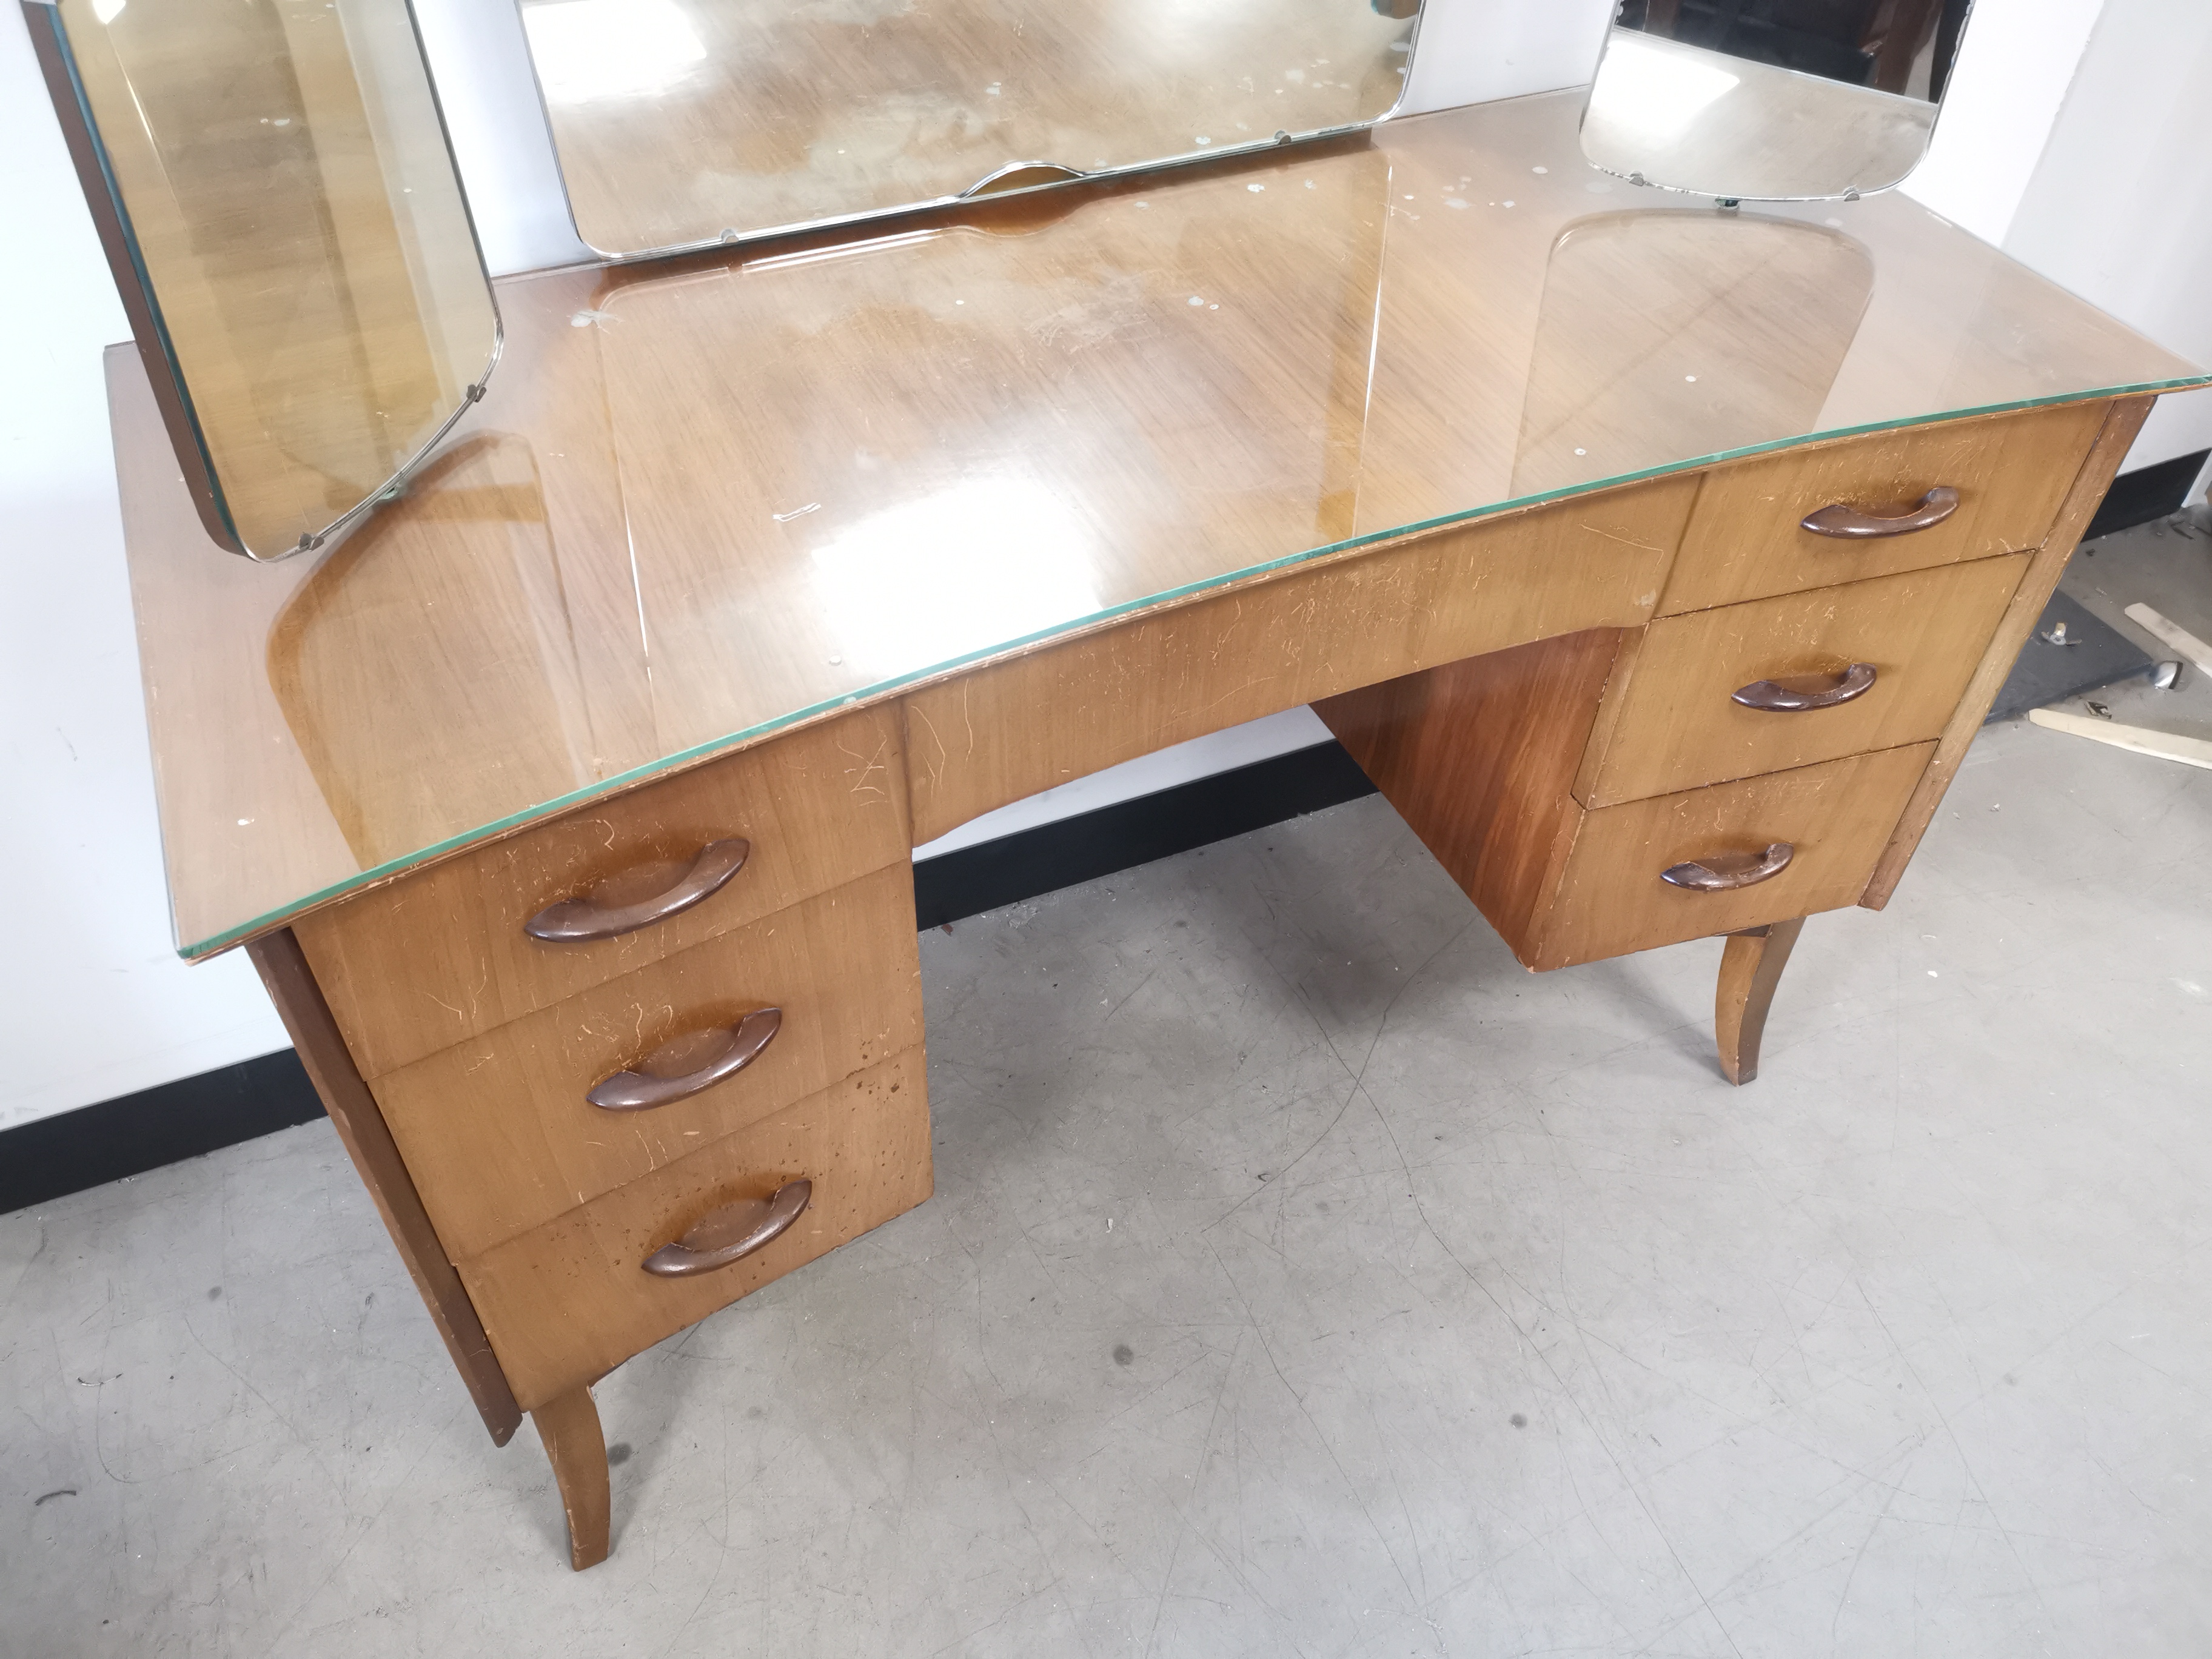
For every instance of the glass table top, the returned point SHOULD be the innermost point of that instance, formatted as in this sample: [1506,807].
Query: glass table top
[708,501]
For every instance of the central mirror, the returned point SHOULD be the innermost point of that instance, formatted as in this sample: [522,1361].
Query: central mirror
[684,123]
[1772,99]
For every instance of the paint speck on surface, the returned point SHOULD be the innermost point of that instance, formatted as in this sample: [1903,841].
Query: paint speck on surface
[242,822]
[1255,189]
[1201,139]
[1454,202]
[1932,974]
[1195,300]
[797,513]
[1582,452]
[1691,379]
[1508,204]
[2192,989]
[1539,169]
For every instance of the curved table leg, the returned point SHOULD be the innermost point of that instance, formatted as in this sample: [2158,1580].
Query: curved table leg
[1750,969]
[569,1426]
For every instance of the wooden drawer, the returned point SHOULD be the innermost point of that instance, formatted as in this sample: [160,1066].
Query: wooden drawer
[1746,538]
[497,1131]
[440,956]
[1609,900]
[569,1301]
[1668,722]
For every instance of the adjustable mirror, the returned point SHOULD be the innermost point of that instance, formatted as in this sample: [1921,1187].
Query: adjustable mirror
[685,123]
[1771,99]
[271,182]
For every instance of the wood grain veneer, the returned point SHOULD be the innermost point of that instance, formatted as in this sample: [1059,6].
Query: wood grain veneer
[440,956]
[1478,757]
[1015,727]
[1668,722]
[1610,901]
[497,1132]
[1744,540]
[362,1131]
[569,1301]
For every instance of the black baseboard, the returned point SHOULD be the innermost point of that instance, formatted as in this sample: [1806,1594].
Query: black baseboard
[93,1146]
[1133,832]
[2147,492]
[72,1151]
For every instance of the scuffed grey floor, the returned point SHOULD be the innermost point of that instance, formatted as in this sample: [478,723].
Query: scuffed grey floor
[1303,1279]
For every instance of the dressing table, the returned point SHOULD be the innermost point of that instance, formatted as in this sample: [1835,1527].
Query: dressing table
[1658,562]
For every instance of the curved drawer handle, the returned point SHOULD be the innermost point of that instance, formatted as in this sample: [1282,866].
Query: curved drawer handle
[643,1090]
[573,921]
[731,1233]
[1848,522]
[1792,696]
[1726,872]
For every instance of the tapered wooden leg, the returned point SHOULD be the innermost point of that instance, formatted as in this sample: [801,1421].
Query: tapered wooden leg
[569,1426]
[1750,969]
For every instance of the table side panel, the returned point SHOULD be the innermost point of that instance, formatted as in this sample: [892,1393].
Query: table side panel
[1477,757]
[2122,420]
[362,1131]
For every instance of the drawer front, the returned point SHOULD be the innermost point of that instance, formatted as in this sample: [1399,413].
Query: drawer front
[1011,728]
[569,1301]
[1670,722]
[1837,816]
[441,955]
[497,1132]
[1746,541]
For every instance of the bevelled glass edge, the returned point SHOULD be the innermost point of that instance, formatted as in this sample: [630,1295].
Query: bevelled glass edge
[680,759]
[618,258]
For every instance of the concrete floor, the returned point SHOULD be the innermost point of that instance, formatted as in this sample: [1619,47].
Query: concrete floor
[1302,1277]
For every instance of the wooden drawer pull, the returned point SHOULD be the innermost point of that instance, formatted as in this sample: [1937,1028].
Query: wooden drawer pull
[1848,522]
[573,921]
[731,1233]
[1726,872]
[709,1057]
[1800,692]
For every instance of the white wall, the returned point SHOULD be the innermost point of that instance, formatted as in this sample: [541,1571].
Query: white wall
[92,1002]
[2119,207]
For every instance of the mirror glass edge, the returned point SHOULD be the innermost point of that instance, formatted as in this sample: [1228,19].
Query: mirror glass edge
[735,238]
[1852,194]
[111,221]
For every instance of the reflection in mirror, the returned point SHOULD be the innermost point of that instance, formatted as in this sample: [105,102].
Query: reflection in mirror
[273,187]
[428,669]
[1664,334]
[1771,99]
[685,122]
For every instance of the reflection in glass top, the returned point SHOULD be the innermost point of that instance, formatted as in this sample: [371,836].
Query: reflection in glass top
[279,170]
[705,505]
[685,122]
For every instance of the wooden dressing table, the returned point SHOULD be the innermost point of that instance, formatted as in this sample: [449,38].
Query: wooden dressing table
[1657,563]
